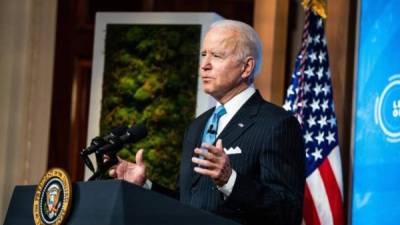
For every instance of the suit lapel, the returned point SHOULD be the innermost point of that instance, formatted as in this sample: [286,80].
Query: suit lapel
[242,120]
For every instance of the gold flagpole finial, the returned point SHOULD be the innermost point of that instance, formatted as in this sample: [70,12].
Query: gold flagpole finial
[318,6]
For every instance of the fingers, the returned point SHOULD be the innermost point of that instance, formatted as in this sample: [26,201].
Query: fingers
[120,169]
[205,154]
[115,169]
[132,172]
[204,171]
[219,145]
[211,152]
[105,158]
[215,162]
[139,157]
[220,172]
[203,163]
[217,149]
[112,172]
[211,148]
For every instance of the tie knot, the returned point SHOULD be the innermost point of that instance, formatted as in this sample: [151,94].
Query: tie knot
[220,111]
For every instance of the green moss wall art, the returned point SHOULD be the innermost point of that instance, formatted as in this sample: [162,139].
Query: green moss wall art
[150,77]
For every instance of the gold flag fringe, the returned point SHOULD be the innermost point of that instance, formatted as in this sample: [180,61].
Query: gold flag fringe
[318,6]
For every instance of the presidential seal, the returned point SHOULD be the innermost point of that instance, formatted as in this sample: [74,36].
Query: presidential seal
[52,198]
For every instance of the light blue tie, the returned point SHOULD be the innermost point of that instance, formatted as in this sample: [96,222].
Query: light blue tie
[211,129]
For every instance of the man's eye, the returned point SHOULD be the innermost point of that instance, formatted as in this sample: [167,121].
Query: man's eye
[217,56]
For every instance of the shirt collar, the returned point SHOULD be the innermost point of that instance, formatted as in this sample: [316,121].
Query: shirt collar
[234,104]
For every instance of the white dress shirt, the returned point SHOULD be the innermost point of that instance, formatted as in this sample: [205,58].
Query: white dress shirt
[232,107]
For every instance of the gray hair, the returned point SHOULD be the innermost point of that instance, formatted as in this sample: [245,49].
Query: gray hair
[249,43]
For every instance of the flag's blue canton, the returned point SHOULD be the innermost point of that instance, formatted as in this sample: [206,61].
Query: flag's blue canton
[310,96]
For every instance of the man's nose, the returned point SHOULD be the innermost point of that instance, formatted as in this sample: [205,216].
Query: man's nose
[205,63]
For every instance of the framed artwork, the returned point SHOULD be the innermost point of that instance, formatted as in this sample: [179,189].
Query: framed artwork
[145,71]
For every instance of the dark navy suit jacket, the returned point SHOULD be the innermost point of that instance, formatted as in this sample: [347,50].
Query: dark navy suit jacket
[270,170]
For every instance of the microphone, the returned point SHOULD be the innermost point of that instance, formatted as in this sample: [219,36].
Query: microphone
[98,142]
[133,134]
[211,131]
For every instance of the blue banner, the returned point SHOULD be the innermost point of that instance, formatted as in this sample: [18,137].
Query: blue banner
[376,177]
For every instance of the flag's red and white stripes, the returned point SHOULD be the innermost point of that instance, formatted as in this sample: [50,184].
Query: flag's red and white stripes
[323,195]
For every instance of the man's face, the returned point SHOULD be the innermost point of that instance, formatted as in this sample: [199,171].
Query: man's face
[220,70]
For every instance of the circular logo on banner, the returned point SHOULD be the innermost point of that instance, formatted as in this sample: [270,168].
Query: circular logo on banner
[387,109]
[52,198]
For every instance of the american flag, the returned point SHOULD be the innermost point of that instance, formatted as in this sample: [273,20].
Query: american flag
[310,98]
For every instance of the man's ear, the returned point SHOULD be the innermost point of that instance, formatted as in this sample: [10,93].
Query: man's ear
[248,67]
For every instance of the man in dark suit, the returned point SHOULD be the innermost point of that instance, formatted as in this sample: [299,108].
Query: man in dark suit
[246,161]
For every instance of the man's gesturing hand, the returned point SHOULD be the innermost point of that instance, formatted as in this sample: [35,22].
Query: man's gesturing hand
[215,163]
[132,172]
